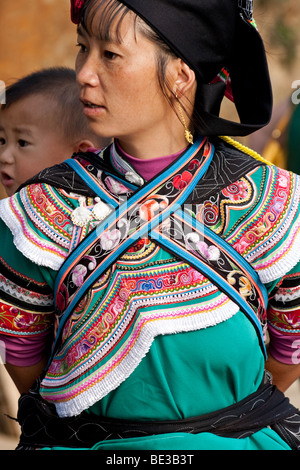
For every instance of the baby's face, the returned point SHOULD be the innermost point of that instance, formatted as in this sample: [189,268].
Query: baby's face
[30,141]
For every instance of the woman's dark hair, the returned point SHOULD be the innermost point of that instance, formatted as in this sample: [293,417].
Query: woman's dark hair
[60,86]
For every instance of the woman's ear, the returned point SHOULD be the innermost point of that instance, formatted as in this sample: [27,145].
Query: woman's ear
[185,82]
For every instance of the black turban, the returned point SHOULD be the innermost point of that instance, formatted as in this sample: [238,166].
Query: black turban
[210,35]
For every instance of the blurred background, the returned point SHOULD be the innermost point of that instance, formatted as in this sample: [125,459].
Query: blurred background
[39,34]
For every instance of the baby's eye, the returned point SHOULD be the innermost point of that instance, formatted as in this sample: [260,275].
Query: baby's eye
[22,143]
[2,141]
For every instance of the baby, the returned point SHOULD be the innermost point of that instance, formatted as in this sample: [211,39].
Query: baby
[41,125]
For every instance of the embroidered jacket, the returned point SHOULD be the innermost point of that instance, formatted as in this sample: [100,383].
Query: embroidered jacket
[148,291]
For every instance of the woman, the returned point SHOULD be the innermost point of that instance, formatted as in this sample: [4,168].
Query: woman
[168,253]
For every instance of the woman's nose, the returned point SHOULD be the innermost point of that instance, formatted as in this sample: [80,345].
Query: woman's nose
[88,72]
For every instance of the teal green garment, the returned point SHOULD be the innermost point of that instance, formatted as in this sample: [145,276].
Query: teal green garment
[262,440]
[186,375]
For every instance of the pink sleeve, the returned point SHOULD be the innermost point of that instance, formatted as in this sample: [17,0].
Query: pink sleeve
[284,321]
[284,348]
[23,351]
[24,336]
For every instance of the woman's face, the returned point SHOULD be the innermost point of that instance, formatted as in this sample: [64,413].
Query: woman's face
[119,83]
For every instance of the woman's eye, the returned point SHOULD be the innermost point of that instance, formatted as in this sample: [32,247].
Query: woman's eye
[109,55]
[22,143]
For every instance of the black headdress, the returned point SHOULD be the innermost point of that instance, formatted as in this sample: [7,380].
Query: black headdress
[210,36]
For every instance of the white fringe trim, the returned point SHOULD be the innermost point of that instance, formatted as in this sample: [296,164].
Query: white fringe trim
[41,255]
[283,262]
[97,390]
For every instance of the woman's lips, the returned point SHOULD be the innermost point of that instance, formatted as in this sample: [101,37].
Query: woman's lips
[92,109]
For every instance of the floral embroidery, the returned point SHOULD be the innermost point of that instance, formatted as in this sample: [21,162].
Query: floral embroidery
[78,275]
[211,253]
[21,323]
[110,239]
[214,211]
[115,186]
[151,206]
[237,191]
[245,285]
[181,181]
[285,321]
